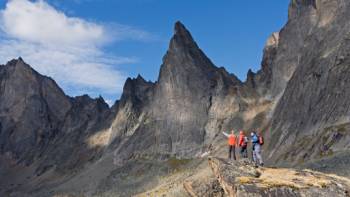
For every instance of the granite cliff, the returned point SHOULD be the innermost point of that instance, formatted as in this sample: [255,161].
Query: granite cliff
[311,120]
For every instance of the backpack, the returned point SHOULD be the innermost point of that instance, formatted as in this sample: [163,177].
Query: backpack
[255,139]
[245,141]
[261,140]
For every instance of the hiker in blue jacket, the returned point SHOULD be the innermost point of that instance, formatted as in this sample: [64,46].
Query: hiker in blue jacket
[257,142]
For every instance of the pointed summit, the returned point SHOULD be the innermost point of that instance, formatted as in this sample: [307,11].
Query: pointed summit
[183,50]
[182,38]
[139,78]
[186,62]
[251,79]
[136,88]
[179,26]
[22,68]
[181,31]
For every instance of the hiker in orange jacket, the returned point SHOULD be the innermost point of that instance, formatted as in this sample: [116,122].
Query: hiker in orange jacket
[232,140]
[243,144]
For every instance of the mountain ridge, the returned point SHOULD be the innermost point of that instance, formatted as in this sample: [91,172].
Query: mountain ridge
[176,116]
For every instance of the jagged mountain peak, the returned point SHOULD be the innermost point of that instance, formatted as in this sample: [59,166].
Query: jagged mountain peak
[86,100]
[184,57]
[14,61]
[181,31]
[250,75]
[23,70]
[135,87]
[138,80]
[182,38]
[250,78]
[179,26]
[185,64]
[18,62]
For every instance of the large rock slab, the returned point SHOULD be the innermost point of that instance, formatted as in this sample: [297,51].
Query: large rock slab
[241,178]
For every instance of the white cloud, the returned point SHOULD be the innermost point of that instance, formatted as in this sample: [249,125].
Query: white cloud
[69,49]
[40,23]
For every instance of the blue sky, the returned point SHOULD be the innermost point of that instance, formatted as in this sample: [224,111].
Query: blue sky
[116,39]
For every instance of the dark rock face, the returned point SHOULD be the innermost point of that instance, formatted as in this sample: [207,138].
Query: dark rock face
[32,109]
[39,122]
[311,118]
[71,147]
[302,21]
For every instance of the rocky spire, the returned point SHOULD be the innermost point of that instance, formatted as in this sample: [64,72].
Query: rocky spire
[182,39]
[250,79]
[136,89]
[184,57]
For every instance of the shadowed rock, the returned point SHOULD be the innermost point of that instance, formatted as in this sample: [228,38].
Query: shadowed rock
[310,122]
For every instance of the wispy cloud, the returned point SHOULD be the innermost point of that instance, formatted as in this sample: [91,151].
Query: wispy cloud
[69,49]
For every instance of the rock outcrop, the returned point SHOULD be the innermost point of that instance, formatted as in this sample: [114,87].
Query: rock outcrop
[263,79]
[240,178]
[310,121]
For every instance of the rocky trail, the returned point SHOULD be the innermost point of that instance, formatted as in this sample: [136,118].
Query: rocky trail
[242,179]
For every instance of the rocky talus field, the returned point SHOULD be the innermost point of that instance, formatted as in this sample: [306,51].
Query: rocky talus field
[164,138]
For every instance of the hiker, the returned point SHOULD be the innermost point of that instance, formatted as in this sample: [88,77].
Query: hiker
[232,145]
[251,135]
[243,144]
[257,141]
